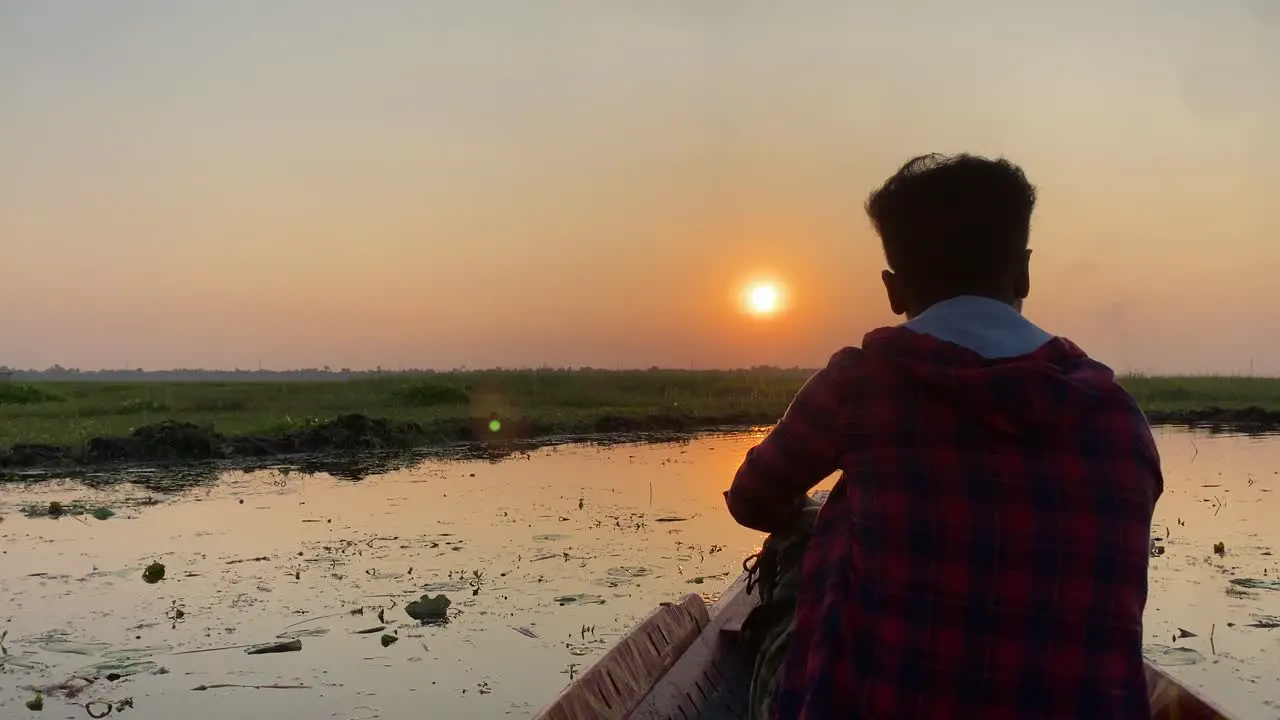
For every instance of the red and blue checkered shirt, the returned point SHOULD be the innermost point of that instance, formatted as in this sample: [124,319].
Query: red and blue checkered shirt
[984,552]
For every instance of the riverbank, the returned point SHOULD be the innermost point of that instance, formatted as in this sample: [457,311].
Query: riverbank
[53,424]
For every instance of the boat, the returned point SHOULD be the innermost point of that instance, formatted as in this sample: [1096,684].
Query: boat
[685,661]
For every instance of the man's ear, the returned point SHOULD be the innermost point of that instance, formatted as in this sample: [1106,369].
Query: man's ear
[893,288]
[1022,281]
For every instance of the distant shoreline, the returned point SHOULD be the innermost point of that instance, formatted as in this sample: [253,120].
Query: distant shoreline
[84,424]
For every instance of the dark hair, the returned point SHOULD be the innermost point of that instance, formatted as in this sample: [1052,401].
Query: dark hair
[954,225]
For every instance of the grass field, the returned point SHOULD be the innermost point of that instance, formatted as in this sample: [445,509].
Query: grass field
[566,401]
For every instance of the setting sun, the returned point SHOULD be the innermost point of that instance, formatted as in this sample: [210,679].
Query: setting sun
[762,298]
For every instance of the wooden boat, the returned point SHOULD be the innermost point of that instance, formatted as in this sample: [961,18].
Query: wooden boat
[684,662]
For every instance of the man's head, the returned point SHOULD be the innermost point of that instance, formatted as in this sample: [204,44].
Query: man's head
[954,225]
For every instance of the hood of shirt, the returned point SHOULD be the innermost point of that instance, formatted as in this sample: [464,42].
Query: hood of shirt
[995,366]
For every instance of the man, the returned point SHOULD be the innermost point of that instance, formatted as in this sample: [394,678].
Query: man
[984,552]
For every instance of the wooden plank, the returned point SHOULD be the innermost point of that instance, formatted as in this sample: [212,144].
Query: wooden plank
[711,680]
[612,687]
[1172,700]
[735,605]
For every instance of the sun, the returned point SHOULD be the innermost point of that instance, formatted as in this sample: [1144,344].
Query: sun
[763,299]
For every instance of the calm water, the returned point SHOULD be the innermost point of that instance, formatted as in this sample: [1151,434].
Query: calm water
[571,544]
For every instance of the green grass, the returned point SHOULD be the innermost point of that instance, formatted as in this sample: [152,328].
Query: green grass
[1166,394]
[70,413]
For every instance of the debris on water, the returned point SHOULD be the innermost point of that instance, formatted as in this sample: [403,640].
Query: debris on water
[525,631]
[1220,548]
[1256,584]
[1268,622]
[550,537]
[304,632]
[69,688]
[125,663]
[1183,634]
[388,639]
[1166,656]
[98,709]
[1240,593]
[71,647]
[153,574]
[671,519]
[428,609]
[202,688]
[703,578]
[1156,548]
[260,558]
[52,509]
[629,571]
[580,599]
[293,645]
[36,703]
[370,631]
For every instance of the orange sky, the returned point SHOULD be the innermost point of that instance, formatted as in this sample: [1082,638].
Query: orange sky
[506,183]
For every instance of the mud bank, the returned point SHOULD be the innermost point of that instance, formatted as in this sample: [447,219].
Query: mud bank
[178,442]
[172,442]
[1243,420]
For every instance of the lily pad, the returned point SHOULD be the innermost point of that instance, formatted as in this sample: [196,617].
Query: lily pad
[1166,656]
[153,574]
[429,609]
[102,513]
[580,599]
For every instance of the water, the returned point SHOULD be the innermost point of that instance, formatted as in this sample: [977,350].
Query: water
[571,545]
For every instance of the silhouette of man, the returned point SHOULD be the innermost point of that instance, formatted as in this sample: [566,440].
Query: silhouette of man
[984,552]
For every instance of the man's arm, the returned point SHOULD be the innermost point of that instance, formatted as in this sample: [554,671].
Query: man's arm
[800,451]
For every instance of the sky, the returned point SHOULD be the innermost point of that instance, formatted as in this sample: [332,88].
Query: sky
[490,183]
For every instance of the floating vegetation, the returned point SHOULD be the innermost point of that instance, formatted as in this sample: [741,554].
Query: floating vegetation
[428,609]
[629,571]
[153,574]
[294,645]
[1256,584]
[580,599]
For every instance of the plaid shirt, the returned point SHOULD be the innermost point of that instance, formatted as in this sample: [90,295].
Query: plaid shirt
[984,553]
